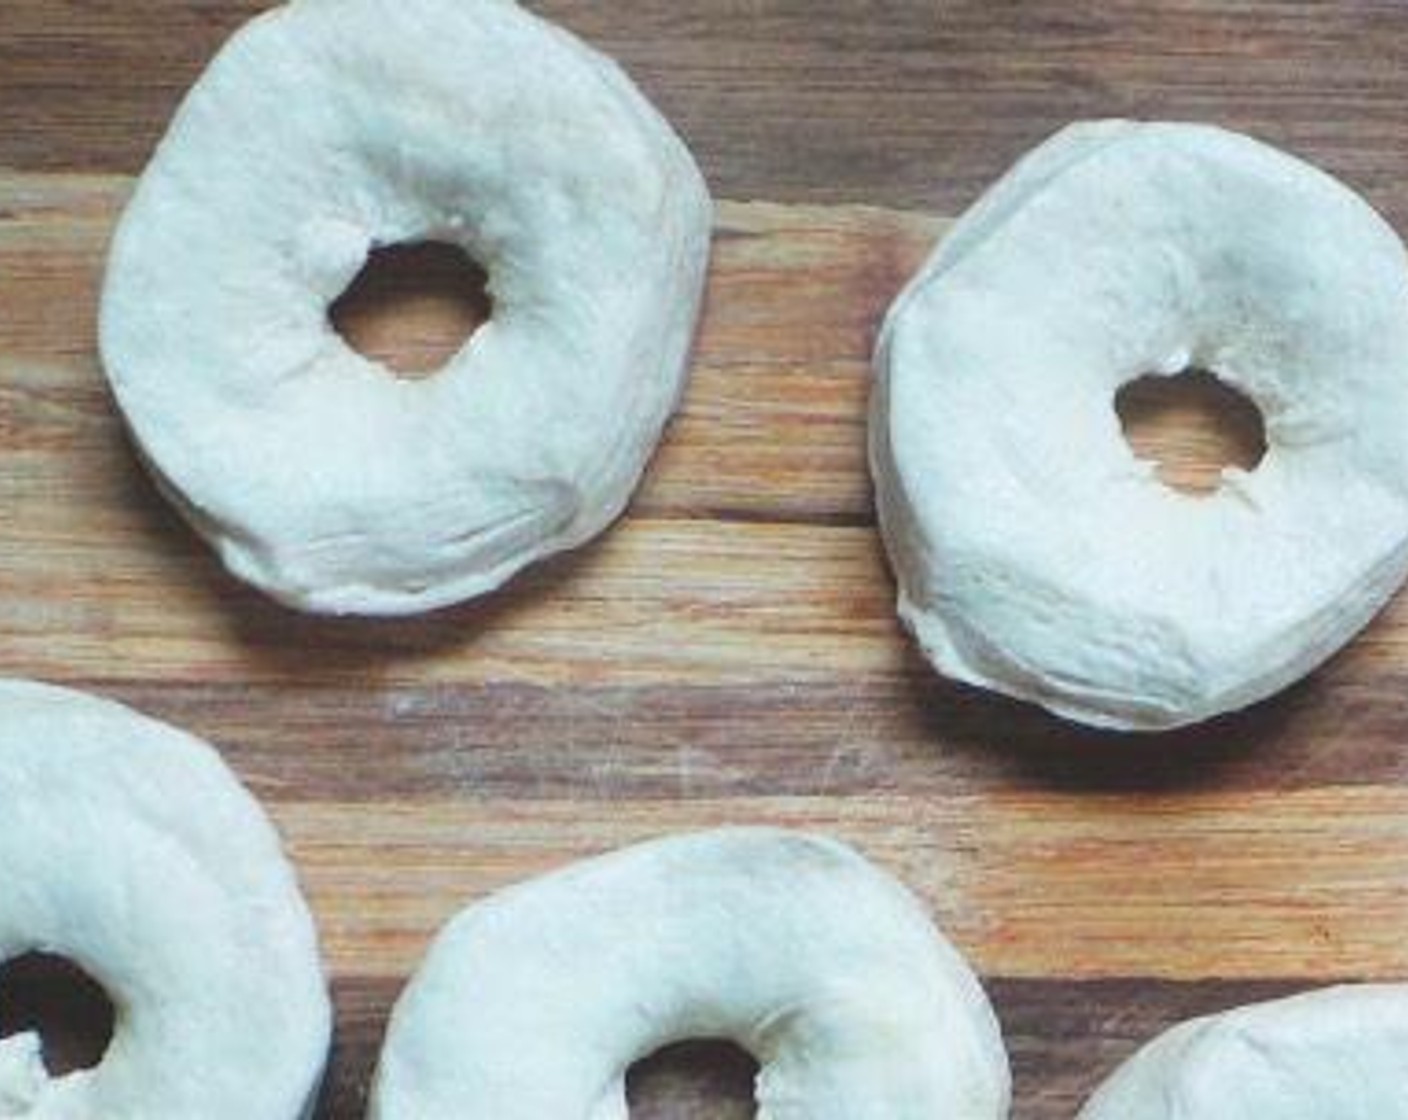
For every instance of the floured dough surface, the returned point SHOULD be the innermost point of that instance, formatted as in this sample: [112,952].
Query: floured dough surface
[1336,1054]
[535,1002]
[131,850]
[1036,555]
[327,128]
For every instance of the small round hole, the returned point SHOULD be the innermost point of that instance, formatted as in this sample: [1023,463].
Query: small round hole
[66,1007]
[707,1080]
[413,307]
[1193,426]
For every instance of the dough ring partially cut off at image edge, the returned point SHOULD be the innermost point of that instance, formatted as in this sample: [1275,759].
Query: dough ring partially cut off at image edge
[1334,1054]
[1036,554]
[131,851]
[533,1004]
[326,129]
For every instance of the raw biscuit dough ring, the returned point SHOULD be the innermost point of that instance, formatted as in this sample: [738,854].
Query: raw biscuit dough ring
[1036,555]
[533,1004]
[130,849]
[327,128]
[1335,1054]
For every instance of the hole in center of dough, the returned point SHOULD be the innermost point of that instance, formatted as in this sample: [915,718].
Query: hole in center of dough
[1193,426]
[413,307]
[712,1080]
[55,999]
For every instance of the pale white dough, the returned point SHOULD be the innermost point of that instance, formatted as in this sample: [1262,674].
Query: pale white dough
[131,850]
[1036,555]
[533,1004]
[324,129]
[1336,1054]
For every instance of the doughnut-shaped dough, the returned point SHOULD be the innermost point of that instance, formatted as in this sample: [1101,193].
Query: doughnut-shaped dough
[1337,1054]
[131,850]
[329,127]
[533,1004]
[1036,555]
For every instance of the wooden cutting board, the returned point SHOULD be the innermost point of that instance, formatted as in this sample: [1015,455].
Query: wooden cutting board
[729,653]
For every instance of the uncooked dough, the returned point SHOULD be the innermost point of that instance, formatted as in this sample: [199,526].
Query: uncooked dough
[1336,1054]
[327,128]
[533,1004]
[1036,555]
[130,849]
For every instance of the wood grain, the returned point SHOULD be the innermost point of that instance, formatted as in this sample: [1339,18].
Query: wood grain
[729,652]
[1291,885]
[907,103]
